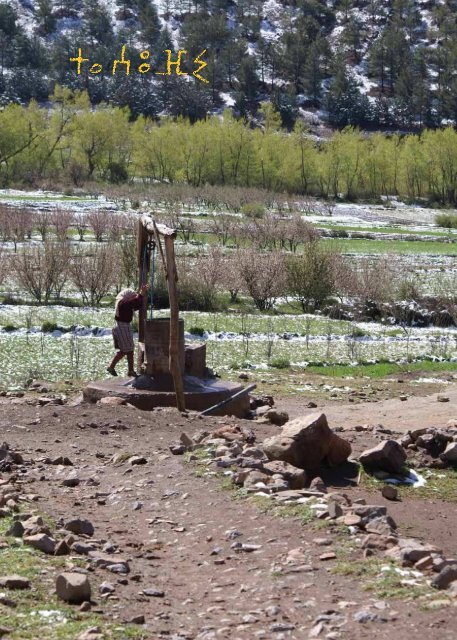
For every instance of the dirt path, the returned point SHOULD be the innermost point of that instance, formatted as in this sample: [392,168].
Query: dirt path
[174,527]
[416,412]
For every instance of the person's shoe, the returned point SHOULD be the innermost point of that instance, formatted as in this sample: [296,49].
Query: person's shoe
[132,374]
[112,371]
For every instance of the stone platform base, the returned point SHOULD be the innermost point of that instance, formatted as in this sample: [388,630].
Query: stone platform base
[199,395]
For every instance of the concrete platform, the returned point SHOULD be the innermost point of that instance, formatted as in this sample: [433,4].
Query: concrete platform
[199,394]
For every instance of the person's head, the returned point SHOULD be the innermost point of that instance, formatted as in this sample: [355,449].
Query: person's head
[125,294]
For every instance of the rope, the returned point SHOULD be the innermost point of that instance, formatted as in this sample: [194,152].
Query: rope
[149,252]
[151,288]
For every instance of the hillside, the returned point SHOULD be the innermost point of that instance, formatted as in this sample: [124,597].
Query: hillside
[378,65]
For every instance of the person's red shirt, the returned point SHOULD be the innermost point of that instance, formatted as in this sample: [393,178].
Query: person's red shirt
[126,308]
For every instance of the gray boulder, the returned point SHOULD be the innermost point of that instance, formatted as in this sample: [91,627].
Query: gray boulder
[388,455]
[303,442]
[73,587]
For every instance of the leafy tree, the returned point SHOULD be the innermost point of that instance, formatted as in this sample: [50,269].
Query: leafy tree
[310,277]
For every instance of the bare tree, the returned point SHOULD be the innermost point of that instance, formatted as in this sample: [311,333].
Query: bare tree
[42,269]
[263,276]
[230,277]
[80,224]
[62,220]
[18,224]
[42,222]
[99,223]
[223,226]
[4,264]
[92,273]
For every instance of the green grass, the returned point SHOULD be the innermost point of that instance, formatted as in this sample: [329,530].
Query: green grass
[301,512]
[65,622]
[441,485]
[393,230]
[380,577]
[387,247]
[382,369]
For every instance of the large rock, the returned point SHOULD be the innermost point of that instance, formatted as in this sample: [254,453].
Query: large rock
[73,587]
[388,455]
[305,442]
[450,454]
[339,450]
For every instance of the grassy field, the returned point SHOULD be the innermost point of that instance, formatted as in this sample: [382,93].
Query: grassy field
[387,247]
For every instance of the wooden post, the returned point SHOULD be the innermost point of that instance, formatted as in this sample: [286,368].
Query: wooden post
[142,237]
[172,278]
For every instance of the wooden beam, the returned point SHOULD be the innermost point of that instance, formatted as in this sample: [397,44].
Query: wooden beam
[148,223]
[142,238]
[172,279]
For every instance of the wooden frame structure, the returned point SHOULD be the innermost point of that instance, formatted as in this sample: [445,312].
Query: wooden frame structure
[148,229]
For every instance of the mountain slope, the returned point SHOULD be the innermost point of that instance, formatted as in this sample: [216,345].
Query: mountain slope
[362,62]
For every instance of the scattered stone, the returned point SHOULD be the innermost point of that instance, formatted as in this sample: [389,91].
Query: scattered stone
[294,476]
[186,440]
[388,455]
[106,587]
[322,542]
[71,481]
[62,460]
[408,551]
[114,401]
[389,492]
[16,530]
[62,548]
[137,460]
[384,525]
[42,542]
[115,564]
[450,454]
[140,619]
[363,617]
[330,555]
[178,449]
[445,577]
[369,511]
[442,398]
[352,520]
[14,582]
[73,588]
[317,484]
[154,593]
[94,633]
[424,563]
[279,418]
[82,548]
[80,527]
[335,510]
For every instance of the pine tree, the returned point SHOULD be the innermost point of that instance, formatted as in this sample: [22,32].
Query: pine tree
[46,18]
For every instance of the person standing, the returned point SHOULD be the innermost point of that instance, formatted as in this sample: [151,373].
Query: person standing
[127,302]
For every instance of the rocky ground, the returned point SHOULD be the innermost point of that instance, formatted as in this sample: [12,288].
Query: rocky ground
[170,548]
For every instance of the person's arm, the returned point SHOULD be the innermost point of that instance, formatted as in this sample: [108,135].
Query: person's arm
[138,301]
